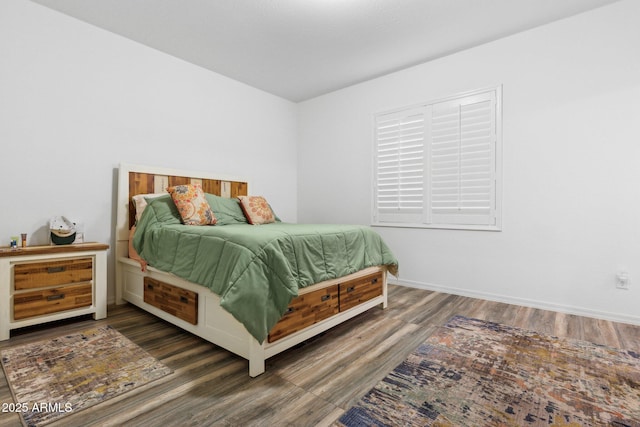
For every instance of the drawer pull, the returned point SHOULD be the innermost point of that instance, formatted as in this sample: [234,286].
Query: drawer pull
[55,297]
[56,269]
[149,286]
[325,298]
[351,288]
[184,299]
[374,280]
[290,310]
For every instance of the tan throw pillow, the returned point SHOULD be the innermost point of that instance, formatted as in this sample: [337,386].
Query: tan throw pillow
[256,209]
[192,204]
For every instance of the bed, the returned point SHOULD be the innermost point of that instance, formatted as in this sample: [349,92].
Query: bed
[255,290]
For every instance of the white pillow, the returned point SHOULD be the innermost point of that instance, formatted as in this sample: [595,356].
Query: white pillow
[140,202]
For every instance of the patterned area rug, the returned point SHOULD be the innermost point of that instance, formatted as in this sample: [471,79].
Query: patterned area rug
[52,378]
[476,373]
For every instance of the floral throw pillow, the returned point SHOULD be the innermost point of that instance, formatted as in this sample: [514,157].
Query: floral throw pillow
[256,209]
[192,204]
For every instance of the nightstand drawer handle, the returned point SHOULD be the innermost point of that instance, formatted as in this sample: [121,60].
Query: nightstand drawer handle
[351,288]
[55,297]
[55,269]
[325,298]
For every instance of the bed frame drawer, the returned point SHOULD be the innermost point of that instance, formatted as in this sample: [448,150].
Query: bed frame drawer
[305,310]
[174,300]
[51,300]
[52,273]
[357,291]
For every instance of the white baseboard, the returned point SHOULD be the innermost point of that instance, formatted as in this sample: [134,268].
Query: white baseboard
[562,308]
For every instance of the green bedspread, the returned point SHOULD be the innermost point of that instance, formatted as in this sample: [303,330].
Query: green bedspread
[256,270]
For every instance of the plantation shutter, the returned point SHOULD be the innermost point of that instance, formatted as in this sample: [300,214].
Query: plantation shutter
[399,168]
[437,164]
[462,161]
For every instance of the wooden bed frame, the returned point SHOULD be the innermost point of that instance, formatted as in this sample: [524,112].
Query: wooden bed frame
[212,322]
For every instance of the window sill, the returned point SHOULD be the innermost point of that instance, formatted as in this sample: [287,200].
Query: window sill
[439,226]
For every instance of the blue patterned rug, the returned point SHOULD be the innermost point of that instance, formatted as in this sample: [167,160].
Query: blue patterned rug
[476,373]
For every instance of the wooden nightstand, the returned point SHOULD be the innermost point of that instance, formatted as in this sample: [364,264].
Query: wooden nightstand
[41,284]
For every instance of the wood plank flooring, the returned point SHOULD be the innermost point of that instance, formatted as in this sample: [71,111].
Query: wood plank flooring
[309,385]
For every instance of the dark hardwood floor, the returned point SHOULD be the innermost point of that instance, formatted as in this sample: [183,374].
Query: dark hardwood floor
[309,385]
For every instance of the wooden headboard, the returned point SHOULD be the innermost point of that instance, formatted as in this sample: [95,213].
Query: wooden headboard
[136,179]
[146,183]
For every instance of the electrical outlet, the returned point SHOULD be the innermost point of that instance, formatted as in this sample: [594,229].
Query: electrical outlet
[623,280]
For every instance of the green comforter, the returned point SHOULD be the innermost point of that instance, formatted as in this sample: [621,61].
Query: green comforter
[256,270]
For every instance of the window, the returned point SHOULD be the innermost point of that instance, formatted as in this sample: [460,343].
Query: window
[438,164]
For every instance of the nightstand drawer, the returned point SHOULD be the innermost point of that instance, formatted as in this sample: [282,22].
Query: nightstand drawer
[52,273]
[53,300]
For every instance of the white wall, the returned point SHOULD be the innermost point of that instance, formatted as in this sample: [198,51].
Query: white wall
[76,101]
[571,135]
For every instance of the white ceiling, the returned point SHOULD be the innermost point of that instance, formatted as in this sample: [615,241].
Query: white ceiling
[299,49]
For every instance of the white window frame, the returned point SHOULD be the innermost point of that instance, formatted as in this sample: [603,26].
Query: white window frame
[398,205]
